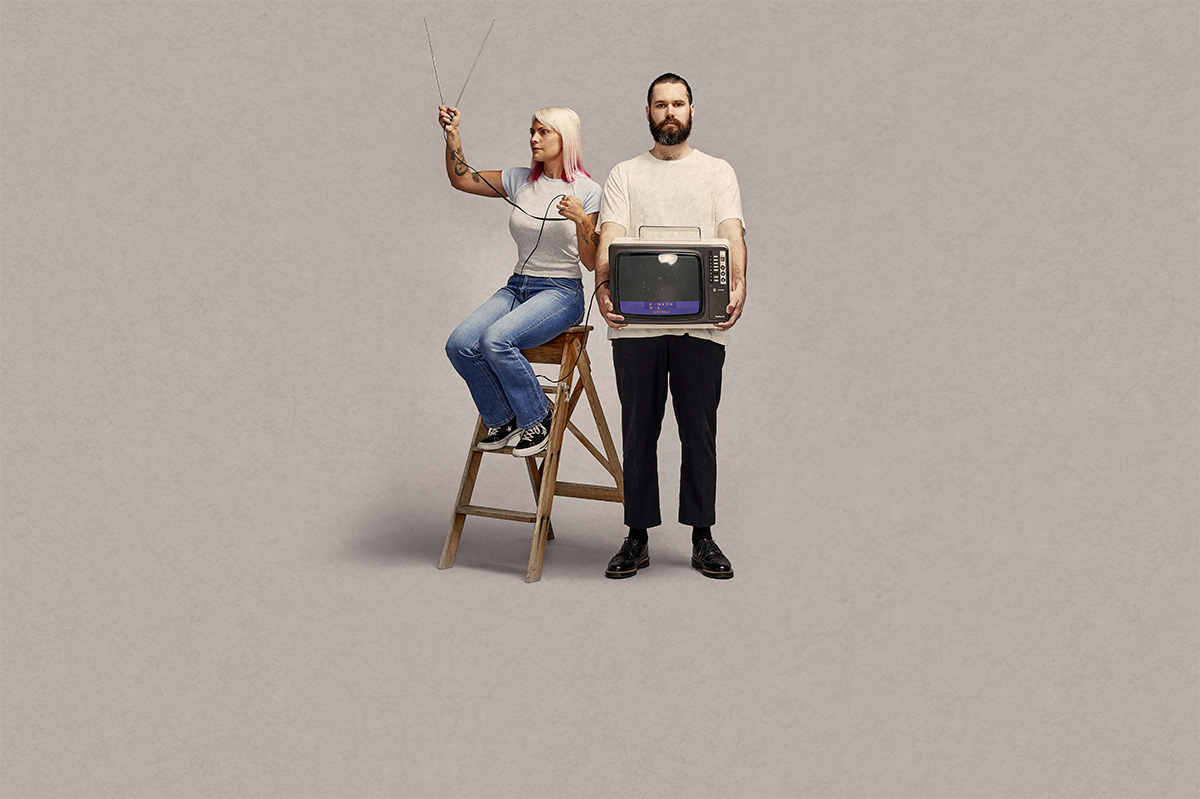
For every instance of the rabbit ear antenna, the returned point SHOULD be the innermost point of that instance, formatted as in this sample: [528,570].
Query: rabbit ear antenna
[469,74]
[441,99]
[476,61]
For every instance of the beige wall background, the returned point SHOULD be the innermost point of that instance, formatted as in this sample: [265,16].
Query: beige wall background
[959,460]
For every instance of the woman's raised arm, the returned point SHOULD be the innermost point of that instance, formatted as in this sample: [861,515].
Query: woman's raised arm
[461,176]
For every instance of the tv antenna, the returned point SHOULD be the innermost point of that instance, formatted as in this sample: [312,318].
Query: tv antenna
[469,74]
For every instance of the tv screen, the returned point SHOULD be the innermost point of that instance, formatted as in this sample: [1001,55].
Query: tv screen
[659,284]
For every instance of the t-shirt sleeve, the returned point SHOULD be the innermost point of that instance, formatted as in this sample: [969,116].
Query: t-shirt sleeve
[615,205]
[591,199]
[514,178]
[728,199]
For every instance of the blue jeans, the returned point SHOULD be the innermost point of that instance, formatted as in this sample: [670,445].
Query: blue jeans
[486,348]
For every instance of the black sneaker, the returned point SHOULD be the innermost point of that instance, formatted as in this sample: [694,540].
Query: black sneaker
[708,558]
[629,558]
[500,437]
[534,439]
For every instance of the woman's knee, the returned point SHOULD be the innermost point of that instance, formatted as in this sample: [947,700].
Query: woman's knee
[461,347]
[492,344]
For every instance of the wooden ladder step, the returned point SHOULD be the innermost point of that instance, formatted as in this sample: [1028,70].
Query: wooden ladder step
[586,491]
[497,513]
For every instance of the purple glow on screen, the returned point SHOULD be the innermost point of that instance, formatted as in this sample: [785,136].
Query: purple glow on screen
[679,308]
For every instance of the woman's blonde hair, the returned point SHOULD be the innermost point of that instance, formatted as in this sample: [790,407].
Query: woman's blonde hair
[566,123]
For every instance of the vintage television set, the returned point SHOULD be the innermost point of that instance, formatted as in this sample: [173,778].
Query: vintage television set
[669,280]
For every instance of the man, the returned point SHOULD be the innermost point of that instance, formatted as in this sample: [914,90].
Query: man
[672,185]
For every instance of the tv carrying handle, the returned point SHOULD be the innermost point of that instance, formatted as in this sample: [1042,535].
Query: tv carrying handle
[666,233]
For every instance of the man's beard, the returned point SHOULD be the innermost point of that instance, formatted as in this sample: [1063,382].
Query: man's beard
[677,135]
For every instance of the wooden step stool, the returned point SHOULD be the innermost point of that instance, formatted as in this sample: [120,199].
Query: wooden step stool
[568,350]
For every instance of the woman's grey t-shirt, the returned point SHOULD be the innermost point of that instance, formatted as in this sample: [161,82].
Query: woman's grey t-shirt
[557,254]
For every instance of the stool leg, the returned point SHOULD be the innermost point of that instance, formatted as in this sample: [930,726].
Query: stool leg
[535,480]
[610,449]
[541,527]
[549,474]
[465,489]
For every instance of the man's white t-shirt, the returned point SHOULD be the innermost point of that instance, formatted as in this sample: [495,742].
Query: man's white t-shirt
[695,191]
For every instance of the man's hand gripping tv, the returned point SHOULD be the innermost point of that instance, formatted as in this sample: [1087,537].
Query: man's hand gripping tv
[732,231]
[604,301]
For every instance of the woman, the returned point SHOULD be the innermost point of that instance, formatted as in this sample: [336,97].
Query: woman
[544,296]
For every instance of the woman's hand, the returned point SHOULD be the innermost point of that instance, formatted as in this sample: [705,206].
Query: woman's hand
[448,119]
[572,208]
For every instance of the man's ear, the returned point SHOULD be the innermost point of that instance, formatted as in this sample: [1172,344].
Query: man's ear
[647,113]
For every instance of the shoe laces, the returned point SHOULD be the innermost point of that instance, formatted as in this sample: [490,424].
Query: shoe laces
[707,547]
[529,434]
[629,546]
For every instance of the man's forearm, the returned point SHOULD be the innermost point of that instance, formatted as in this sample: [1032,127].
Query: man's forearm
[732,231]
[737,257]
[608,232]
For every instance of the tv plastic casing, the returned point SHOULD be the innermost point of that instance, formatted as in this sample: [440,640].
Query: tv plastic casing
[666,282]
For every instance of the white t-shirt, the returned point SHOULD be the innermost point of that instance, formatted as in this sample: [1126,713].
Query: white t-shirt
[557,254]
[696,191]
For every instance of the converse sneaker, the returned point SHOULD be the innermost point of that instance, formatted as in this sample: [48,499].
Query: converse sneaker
[534,439]
[500,437]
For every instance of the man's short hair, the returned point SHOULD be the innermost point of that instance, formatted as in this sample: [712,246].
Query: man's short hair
[668,77]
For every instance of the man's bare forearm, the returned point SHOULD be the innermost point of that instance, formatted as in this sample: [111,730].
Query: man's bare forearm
[608,232]
[732,231]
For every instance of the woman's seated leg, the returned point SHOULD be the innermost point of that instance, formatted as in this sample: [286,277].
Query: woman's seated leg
[556,305]
[464,351]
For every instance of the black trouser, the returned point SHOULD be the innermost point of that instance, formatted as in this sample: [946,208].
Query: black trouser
[645,368]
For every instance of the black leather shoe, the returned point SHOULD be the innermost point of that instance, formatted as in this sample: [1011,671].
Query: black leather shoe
[708,558]
[629,558]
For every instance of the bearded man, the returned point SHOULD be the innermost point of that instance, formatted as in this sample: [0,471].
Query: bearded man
[672,185]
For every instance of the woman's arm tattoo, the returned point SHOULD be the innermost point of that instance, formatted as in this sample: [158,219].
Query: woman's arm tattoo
[589,234]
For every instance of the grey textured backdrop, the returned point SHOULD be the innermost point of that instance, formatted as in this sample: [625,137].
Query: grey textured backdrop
[959,465]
